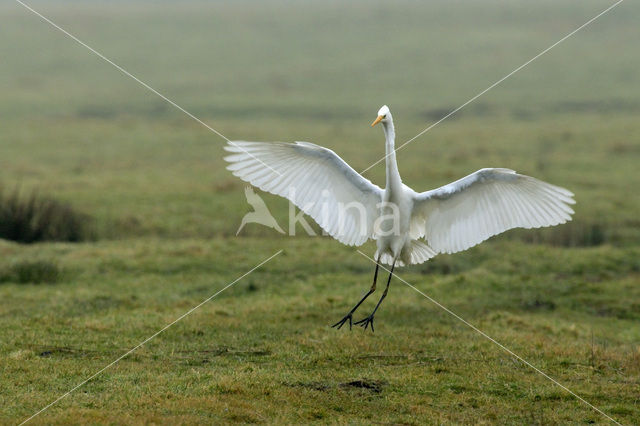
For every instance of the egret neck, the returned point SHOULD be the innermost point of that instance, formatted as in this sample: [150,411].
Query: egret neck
[394,182]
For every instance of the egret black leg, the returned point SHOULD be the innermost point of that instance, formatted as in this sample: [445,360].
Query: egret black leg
[349,316]
[369,320]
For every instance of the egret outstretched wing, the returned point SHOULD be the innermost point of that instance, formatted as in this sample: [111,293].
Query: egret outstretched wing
[347,206]
[486,203]
[316,180]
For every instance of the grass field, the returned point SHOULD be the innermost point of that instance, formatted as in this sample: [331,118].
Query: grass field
[165,213]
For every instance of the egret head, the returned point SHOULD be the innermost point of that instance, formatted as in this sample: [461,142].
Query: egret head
[383,115]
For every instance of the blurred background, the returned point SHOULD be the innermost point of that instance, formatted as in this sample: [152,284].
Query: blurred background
[117,214]
[75,128]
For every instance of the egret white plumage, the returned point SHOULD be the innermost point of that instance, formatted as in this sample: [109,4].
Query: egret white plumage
[409,227]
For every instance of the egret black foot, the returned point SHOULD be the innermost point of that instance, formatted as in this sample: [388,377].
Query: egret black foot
[348,317]
[366,322]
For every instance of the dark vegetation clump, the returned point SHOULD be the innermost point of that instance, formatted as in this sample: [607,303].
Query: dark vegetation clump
[374,386]
[31,272]
[572,234]
[34,218]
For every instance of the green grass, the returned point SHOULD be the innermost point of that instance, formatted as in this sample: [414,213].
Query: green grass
[166,212]
[263,350]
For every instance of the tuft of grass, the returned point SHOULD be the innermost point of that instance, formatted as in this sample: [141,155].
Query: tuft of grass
[35,218]
[31,272]
[571,234]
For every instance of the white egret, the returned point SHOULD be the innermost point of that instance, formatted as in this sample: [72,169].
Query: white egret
[409,227]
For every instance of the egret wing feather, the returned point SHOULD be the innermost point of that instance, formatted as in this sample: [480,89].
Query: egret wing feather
[488,202]
[316,180]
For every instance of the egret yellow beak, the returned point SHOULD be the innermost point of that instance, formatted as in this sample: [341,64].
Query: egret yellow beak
[377,120]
